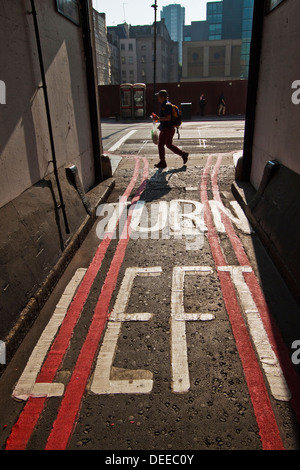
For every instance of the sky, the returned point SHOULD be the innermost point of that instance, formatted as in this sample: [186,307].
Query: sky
[136,12]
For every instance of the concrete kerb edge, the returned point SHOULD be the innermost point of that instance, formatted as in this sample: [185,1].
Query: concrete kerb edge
[239,190]
[37,301]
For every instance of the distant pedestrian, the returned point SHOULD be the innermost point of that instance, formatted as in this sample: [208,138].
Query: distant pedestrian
[222,105]
[167,130]
[202,104]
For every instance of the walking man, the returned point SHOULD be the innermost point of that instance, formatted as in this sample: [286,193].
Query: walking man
[202,104]
[222,105]
[167,130]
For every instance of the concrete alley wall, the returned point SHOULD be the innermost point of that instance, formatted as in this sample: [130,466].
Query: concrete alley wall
[277,120]
[24,136]
[34,234]
[270,164]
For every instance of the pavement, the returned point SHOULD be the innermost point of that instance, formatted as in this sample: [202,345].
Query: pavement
[171,331]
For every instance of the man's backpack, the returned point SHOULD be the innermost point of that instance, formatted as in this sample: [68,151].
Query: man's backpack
[176,117]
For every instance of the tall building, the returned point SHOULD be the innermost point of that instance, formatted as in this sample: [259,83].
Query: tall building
[232,19]
[211,60]
[128,60]
[214,18]
[229,21]
[174,16]
[167,69]
[136,45]
[246,36]
[102,49]
[114,56]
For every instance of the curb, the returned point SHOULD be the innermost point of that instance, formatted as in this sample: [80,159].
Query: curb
[38,300]
[247,196]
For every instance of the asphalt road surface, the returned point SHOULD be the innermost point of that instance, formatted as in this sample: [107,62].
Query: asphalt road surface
[171,331]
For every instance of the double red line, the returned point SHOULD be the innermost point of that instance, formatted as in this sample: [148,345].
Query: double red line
[70,404]
[268,428]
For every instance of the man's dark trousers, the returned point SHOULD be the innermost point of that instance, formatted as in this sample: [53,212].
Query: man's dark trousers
[166,139]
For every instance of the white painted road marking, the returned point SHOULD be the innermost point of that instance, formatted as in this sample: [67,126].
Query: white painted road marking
[121,141]
[26,385]
[264,350]
[108,379]
[240,220]
[178,218]
[201,140]
[179,357]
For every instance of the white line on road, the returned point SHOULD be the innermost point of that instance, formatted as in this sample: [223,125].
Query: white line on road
[26,385]
[179,354]
[109,379]
[269,361]
[201,140]
[121,141]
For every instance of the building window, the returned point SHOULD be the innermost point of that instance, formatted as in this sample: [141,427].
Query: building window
[69,9]
[215,31]
[271,4]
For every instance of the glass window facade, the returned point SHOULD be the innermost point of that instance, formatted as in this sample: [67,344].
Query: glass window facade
[174,16]
[215,31]
[226,20]
[246,36]
[214,15]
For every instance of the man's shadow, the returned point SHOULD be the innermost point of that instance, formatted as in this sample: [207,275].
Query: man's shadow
[158,185]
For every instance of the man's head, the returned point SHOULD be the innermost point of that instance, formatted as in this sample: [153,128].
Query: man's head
[162,96]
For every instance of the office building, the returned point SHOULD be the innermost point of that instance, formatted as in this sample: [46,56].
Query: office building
[246,36]
[128,60]
[174,16]
[167,69]
[136,45]
[102,49]
[220,46]
[211,60]
[214,18]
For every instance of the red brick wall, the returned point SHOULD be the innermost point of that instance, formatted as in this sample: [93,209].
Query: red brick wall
[187,92]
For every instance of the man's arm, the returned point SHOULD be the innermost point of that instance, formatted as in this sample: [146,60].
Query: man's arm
[163,118]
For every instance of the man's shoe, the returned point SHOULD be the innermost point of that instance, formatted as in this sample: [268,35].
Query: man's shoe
[185,157]
[161,165]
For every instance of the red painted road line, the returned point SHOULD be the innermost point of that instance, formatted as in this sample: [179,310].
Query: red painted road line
[235,241]
[272,330]
[22,430]
[70,405]
[268,429]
